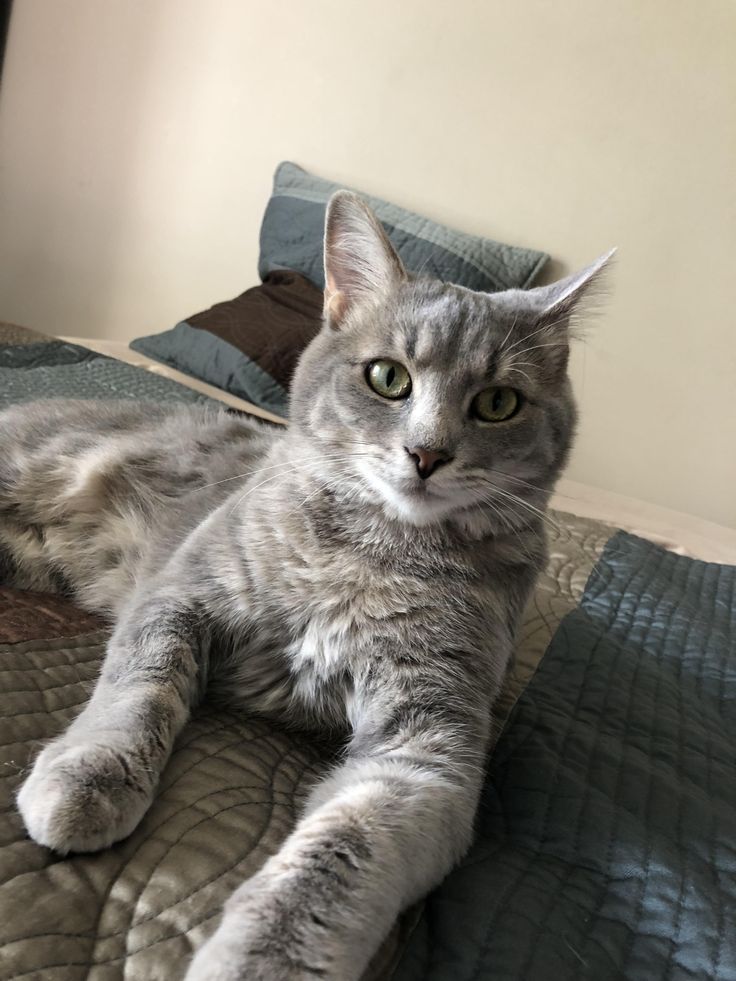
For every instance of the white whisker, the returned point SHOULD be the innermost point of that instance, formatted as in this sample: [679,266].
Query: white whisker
[519,372]
[509,332]
[529,364]
[515,499]
[286,473]
[287,464]
[341,478]
[538,347]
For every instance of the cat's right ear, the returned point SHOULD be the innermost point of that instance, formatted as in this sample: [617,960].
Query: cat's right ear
[360,262]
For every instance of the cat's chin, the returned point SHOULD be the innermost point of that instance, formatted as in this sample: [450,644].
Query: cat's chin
[417,512]
[415,505]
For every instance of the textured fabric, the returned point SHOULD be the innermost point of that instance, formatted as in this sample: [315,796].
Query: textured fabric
[33,367]
[248,346]
[293,229]
[607,832]
[575,545]
[229,795]
[227,800]
[202,355]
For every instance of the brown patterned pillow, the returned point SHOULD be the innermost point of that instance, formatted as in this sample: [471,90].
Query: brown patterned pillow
[248,346]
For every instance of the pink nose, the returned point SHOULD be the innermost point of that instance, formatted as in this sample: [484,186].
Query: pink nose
[427,461]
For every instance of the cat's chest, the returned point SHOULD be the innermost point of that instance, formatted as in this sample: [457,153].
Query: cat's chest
[325,613]
[322,656]
[323,649]
[302,583]
[322,611]
[297,666]
[325,629]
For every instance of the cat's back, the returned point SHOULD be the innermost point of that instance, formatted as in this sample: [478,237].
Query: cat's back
[98,456]
[92,487]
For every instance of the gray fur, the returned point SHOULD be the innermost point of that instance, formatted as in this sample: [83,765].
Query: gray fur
[308,575]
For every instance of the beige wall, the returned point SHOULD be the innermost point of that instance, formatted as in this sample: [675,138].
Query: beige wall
[138,138]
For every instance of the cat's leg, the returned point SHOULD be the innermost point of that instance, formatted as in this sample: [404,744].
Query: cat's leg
[91,785]
[382,830]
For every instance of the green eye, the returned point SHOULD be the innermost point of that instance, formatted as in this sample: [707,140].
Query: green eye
[496,404]
[389,378]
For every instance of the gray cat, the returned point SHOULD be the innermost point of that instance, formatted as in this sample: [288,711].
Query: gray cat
[362,572]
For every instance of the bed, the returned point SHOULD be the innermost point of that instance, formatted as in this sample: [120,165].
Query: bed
[607,829]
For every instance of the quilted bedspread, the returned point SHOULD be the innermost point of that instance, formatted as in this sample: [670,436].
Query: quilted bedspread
[228,797]
[34,366]
[606,843]
[607,835]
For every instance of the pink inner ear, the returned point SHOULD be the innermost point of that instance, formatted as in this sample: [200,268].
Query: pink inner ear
[335,304]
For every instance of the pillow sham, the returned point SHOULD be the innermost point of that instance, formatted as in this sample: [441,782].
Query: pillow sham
[293,225]
[248,346]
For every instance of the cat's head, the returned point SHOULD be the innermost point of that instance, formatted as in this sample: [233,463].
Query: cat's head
[428,398]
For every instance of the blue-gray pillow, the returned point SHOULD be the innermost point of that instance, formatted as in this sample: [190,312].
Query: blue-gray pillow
[293,225]
[248,346]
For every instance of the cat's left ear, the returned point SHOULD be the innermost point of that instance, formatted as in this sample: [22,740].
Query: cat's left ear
[543,315]
[360,262]
[559,300]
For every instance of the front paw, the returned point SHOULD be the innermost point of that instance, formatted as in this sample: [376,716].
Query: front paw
[261,939]
[83,797]
[222,959]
